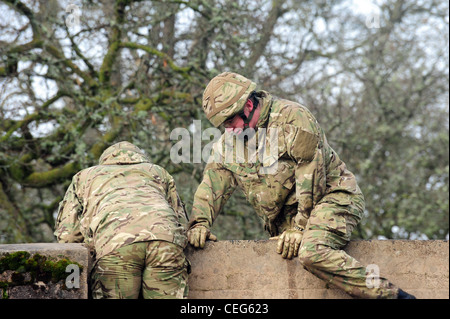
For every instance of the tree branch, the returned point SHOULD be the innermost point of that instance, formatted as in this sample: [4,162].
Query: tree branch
[110,56]
[32,117]
[162,55]
[39,42]
[43,179]
[258,49]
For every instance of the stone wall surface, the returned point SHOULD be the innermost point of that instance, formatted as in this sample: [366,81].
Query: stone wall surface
[253,270]
[18,283]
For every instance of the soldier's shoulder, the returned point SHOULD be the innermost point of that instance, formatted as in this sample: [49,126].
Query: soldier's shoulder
[156,168]
[292,113]
[87,171]
[158,172]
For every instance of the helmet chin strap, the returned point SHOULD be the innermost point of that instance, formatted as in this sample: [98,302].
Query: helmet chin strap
[247,119]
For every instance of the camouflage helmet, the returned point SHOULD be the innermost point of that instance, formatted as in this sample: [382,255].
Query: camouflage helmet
[225,96]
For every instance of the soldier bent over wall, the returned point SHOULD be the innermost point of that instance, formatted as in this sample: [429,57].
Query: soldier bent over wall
[128,212]
[303,191]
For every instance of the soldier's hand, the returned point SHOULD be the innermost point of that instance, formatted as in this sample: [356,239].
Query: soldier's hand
[289,243]
[198,235]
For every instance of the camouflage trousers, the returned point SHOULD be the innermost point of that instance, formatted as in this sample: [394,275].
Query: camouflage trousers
[327,232]
[149,270]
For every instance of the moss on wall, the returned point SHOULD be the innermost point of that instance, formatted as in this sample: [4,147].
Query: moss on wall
[26,269]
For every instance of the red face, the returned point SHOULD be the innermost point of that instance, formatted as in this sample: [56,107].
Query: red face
[236,123]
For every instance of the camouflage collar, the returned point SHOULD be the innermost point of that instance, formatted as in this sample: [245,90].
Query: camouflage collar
[266,105]
[122,153]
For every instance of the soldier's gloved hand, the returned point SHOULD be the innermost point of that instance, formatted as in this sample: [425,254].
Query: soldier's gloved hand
[289,242]
[198,235]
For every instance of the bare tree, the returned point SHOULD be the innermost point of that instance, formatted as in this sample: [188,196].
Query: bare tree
[77,77]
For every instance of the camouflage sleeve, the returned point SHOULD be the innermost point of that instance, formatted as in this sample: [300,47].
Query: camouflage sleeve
[67,228]
[213,192]
[174,200]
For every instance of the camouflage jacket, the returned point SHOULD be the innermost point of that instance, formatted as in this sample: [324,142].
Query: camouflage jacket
[123,200]
[283,183]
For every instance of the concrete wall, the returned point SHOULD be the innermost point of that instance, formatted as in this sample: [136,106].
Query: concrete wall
[252,269]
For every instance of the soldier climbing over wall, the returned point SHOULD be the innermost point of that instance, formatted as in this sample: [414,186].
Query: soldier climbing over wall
[128,212]
[311,201]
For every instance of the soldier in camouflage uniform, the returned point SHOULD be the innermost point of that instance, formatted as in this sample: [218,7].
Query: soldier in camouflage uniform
[128,212]
[303,191]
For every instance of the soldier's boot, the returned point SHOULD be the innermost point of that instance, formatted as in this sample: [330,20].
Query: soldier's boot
[404,295]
